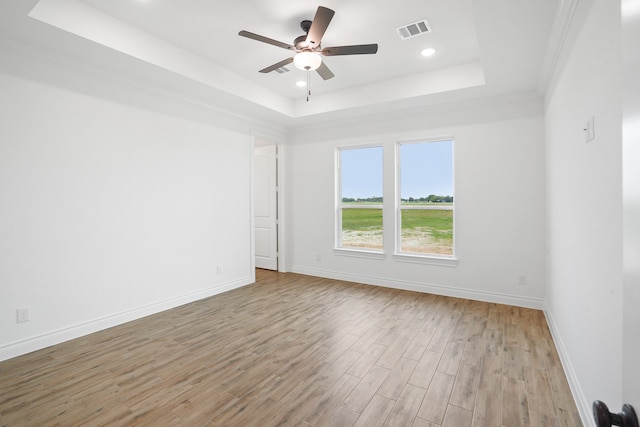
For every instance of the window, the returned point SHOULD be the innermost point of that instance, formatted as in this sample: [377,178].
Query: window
[424,199]
[360,198]
[425,192]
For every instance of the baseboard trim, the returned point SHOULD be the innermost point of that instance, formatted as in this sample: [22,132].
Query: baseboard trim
[39,342]
[492,297]
[584,407]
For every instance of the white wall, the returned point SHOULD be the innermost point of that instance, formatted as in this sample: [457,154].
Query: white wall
[499,191]
[585,208]
[110,212]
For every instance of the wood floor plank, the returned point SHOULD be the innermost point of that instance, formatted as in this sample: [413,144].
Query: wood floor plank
[295,350]
[513,361]
[406,408]
[457,417]
[376,412]
[491,373]
[366,340]
[515,405]
[419,422]
[534,357]
[418,345]
[536,419]
[361,366]
[299,408]
[465,386]
[439,339]
[539,391]
[425,369]
[568,418]
[332,399]
[451,358]
[562,397]
[474,350]
[493,339]
[434,404]
[397,378]
[201,408]
[487,411]
[344,362]
[341,418]
[394,352]
[366,389]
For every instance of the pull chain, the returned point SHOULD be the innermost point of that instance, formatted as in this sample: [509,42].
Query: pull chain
[308,84]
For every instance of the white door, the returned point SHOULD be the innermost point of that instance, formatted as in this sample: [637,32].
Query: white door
[266,207]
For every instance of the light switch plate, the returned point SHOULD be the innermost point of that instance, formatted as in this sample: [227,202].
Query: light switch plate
[589,130]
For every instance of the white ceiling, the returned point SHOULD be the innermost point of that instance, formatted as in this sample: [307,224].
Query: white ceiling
[485,48]
[209,29]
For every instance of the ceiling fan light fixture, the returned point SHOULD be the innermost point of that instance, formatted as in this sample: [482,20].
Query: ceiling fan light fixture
[308,61]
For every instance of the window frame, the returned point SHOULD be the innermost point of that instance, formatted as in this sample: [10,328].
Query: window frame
[420,257]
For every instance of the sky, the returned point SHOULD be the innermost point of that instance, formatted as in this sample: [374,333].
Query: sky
[425,168]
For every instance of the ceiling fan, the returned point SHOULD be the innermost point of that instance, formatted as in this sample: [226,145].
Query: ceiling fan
[308,46]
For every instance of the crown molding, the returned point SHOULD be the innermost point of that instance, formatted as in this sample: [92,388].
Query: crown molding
[557,38]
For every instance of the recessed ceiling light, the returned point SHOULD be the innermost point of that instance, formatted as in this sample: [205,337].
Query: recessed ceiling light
[301,83]
[428,52]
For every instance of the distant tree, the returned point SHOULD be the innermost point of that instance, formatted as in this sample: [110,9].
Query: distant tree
[373,199]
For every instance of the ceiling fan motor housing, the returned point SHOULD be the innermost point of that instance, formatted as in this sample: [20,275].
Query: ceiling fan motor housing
[301,42]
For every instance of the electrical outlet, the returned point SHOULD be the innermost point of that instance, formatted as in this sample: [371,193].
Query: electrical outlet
[318,257]
[522,280]
[219,269]
[23,314]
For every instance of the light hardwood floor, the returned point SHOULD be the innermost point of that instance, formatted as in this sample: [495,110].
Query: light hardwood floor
[294,350]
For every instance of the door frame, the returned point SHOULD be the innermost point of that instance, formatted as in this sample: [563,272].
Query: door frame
[261,140]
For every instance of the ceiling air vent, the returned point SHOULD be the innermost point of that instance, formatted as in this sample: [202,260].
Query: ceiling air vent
[282,70]
[414,29]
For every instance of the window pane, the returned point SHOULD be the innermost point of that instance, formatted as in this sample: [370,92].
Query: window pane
[361,173]
[362,228]
[427,231]
[426,197]
[361,197]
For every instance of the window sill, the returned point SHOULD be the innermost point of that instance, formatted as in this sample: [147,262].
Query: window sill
[443,261]
[359,253]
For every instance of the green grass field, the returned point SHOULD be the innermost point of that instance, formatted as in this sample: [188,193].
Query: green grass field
[423,230]
[438,222]
[361,219]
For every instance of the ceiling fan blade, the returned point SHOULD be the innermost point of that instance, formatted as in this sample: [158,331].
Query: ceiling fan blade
[276,66]
[360,49]
[324,71]
[319,26]
[267,40]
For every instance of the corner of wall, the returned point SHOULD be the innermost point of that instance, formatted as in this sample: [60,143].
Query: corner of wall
[582,403]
